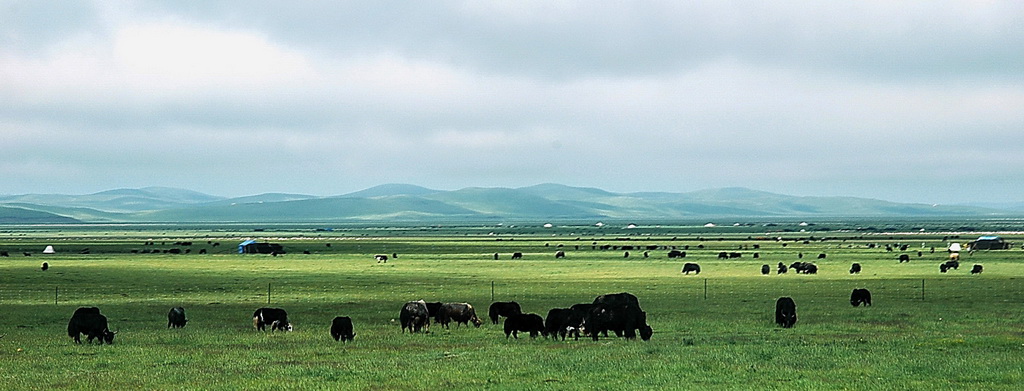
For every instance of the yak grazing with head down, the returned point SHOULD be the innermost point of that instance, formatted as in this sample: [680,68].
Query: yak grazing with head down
[415,316]
[341,329]
[176,317]
[275,317]
[460,313]
[88,321]
[785,312]
[860,296]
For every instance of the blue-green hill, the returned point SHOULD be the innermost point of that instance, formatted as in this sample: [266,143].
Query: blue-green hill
[398,202]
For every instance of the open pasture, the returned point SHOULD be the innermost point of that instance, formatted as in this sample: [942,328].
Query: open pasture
[715,330]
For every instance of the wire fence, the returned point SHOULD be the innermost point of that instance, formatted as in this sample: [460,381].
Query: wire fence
[695,289]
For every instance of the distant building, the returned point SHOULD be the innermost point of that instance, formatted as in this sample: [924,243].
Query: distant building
[254,247]
[988,243]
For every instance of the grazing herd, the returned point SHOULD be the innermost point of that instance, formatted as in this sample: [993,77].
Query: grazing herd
[810,268]
[619,313]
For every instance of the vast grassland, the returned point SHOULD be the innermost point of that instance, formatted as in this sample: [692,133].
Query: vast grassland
[715,330]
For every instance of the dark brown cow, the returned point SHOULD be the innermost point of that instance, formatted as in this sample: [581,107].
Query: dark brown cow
[461,313]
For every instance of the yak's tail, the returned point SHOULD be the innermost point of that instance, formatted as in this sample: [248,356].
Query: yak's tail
[493,314]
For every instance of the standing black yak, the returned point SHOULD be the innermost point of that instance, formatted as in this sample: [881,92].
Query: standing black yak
[503,308]
[691,267]
[531,323]
[562,322]
[625,321]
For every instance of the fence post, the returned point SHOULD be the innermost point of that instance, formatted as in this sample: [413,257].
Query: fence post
[705,289]
[56,289]
[922,289]
[268,293]
[492,291]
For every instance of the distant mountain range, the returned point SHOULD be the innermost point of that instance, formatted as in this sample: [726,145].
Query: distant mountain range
[401,202]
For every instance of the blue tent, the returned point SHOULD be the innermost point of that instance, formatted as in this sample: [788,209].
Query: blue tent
[241,246]
[989,243]
[254,247]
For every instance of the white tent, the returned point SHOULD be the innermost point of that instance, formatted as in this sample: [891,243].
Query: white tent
[49,250]
[954,247]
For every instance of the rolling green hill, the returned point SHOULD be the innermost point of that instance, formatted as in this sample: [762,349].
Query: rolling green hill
[398,202]
[12,215]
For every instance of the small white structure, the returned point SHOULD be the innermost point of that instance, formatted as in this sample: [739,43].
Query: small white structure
[955,247]
[548,225]
[599,224]
[631,226]
[49,250]
[709,225]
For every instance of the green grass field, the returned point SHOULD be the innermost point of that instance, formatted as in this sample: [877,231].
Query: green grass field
[715,330]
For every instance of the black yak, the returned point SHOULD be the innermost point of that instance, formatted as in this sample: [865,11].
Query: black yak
[785,312]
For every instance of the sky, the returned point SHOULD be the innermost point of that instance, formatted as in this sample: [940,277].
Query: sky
[910,101]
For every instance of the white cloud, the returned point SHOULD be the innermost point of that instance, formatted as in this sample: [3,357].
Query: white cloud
[176,56]
[799,95]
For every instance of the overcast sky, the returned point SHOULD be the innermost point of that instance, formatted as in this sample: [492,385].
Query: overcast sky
[911,101]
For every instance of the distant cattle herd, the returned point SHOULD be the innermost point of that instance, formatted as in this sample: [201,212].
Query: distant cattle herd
[619,313]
